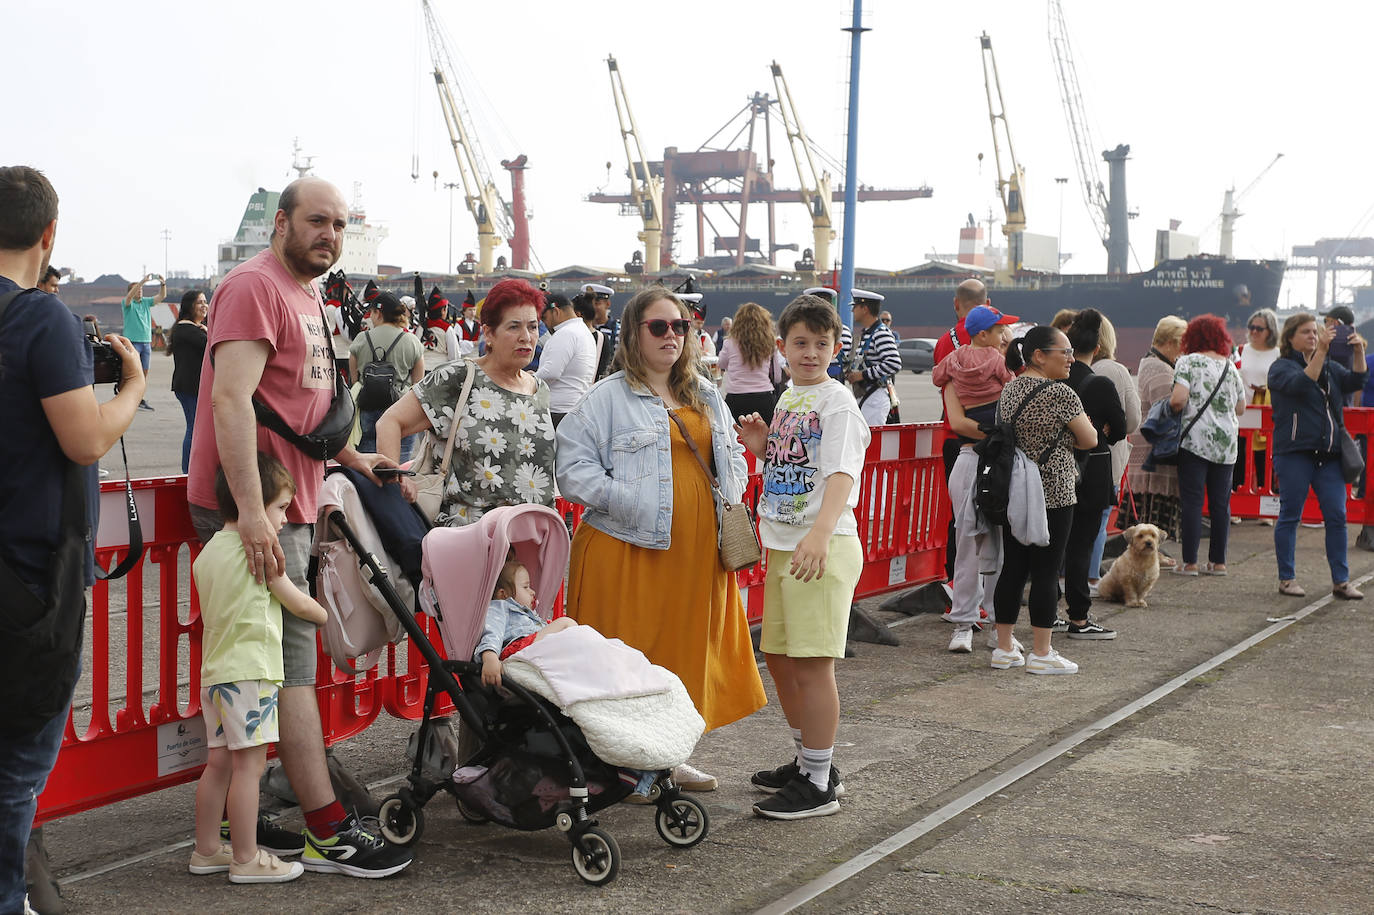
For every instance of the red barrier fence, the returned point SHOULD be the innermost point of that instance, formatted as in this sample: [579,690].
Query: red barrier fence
[128,739]
[1258,498]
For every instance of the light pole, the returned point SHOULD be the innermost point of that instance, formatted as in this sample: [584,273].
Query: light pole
[851,170]
[451,185]
[1059,239]
[166,238]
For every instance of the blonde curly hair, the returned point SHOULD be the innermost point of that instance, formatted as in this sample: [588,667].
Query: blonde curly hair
[754,334]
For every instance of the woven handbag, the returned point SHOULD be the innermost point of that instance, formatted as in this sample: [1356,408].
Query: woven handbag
[736,535]
[429,484]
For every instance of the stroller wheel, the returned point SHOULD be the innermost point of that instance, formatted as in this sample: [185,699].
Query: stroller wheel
[402,820]
[467,813]
[683,823]
[595,856]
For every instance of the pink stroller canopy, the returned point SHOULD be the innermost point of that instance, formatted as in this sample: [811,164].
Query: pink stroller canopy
[461,565]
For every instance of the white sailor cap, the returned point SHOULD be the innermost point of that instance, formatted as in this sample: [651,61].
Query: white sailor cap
[408,301]
[824,292]
[691,298]
[862,295]
[598,290]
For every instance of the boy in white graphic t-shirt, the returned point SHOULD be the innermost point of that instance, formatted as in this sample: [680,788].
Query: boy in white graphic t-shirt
[812,453]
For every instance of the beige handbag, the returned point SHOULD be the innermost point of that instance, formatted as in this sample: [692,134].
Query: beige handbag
[429,485]
[736,535]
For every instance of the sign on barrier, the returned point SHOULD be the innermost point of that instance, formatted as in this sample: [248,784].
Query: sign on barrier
[124,739]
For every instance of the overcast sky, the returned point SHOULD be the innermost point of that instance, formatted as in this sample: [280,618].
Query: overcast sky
[166,115]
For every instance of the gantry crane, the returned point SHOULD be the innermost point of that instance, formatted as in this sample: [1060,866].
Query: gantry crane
[1229,214]
[815,187]
[483,201]
[646,188]
[1011,183]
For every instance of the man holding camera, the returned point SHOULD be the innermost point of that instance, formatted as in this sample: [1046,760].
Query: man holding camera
[138,320]
[268,343]
[55,431]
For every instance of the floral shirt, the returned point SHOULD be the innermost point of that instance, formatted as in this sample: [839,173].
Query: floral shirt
[1213,436]
[504,451]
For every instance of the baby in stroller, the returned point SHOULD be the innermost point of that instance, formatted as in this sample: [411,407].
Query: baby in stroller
[511,625]
[511,621]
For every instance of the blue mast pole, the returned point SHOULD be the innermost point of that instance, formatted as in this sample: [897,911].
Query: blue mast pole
[851,172]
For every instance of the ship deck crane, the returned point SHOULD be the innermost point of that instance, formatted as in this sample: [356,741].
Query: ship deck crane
[1010,182]
[815,187]
[492,214]
[1229,214]
[646,188]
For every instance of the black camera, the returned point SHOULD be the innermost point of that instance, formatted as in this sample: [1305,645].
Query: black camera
[109,367]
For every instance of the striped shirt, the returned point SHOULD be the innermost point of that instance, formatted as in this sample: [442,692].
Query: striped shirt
[878,355]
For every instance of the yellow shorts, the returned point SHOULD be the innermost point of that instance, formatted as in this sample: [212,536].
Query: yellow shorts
[810,619]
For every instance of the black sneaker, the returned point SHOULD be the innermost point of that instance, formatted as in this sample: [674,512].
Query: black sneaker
[1092,629]
[355,850]
[271,838]
[772,780]
[798,800]
[1060,625]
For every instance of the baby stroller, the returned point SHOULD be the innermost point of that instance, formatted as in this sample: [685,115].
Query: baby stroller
[532,768]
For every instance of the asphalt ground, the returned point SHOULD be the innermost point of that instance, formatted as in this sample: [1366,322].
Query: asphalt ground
[1243,787]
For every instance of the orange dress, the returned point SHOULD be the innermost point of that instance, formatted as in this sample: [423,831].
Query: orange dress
[679,606]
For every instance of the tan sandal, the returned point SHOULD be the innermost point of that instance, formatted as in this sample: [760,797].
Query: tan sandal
[1293,589]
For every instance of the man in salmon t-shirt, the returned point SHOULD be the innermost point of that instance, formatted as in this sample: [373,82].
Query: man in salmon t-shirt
[268,341]
[967,296]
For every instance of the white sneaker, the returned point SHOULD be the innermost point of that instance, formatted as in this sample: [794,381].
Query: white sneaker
[1002,660]
[962,640]
[992,641]
[1052,663]
[690,778]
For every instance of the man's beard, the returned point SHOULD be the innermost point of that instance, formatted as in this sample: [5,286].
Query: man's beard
[297,255]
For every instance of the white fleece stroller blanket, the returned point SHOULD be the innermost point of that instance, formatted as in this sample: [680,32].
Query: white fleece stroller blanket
[632,713]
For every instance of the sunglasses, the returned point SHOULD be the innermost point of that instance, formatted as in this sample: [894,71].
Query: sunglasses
[1259,327]
[659,327]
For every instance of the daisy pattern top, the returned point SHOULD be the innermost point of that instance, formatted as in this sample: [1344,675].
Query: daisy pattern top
[504,451]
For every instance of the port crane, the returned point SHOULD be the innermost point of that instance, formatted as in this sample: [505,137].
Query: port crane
[1011,182]
[494,217]
[815,186]
[1107,210]
[1229,214]
[646,188]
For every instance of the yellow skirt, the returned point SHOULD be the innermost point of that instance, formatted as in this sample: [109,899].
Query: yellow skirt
[679,606]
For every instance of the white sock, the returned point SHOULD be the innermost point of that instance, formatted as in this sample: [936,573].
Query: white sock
[815,765]
[796,742]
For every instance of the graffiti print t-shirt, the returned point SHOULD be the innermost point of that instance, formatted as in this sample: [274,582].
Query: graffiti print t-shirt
[817,430]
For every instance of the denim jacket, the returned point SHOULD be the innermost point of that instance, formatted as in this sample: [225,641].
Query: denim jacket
[507,620]
[615,457]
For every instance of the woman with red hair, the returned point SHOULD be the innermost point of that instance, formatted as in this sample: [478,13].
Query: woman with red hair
[504,451]
[1210,394]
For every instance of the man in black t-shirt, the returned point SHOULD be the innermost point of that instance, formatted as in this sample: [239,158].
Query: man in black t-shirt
[51,419]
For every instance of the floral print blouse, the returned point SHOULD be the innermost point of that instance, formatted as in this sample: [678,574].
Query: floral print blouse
[1214,436]
[504,451]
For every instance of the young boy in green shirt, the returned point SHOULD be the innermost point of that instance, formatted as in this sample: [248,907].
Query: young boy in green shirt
[240,672]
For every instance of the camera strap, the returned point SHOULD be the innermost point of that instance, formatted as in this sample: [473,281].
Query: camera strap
[135,549]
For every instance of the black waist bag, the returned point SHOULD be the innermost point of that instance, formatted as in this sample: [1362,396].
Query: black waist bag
[329,437]
[40,641]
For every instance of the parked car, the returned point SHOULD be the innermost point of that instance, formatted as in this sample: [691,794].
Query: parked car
[918,354]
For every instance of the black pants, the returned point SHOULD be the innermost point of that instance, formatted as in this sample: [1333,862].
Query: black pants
[950,454]
[1038,563]
[1087,519]
[760,402]
[1195,475]
[556,417]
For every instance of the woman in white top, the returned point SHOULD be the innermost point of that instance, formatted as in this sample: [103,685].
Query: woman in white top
[750,362]
[1104,363]
[1257,354]
[1208,391]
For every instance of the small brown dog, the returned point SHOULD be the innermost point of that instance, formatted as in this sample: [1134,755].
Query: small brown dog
[1135,571]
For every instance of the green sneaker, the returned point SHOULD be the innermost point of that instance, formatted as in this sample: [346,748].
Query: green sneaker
[355,850]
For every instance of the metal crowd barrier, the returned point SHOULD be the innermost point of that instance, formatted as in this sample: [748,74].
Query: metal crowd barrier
[125,738]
